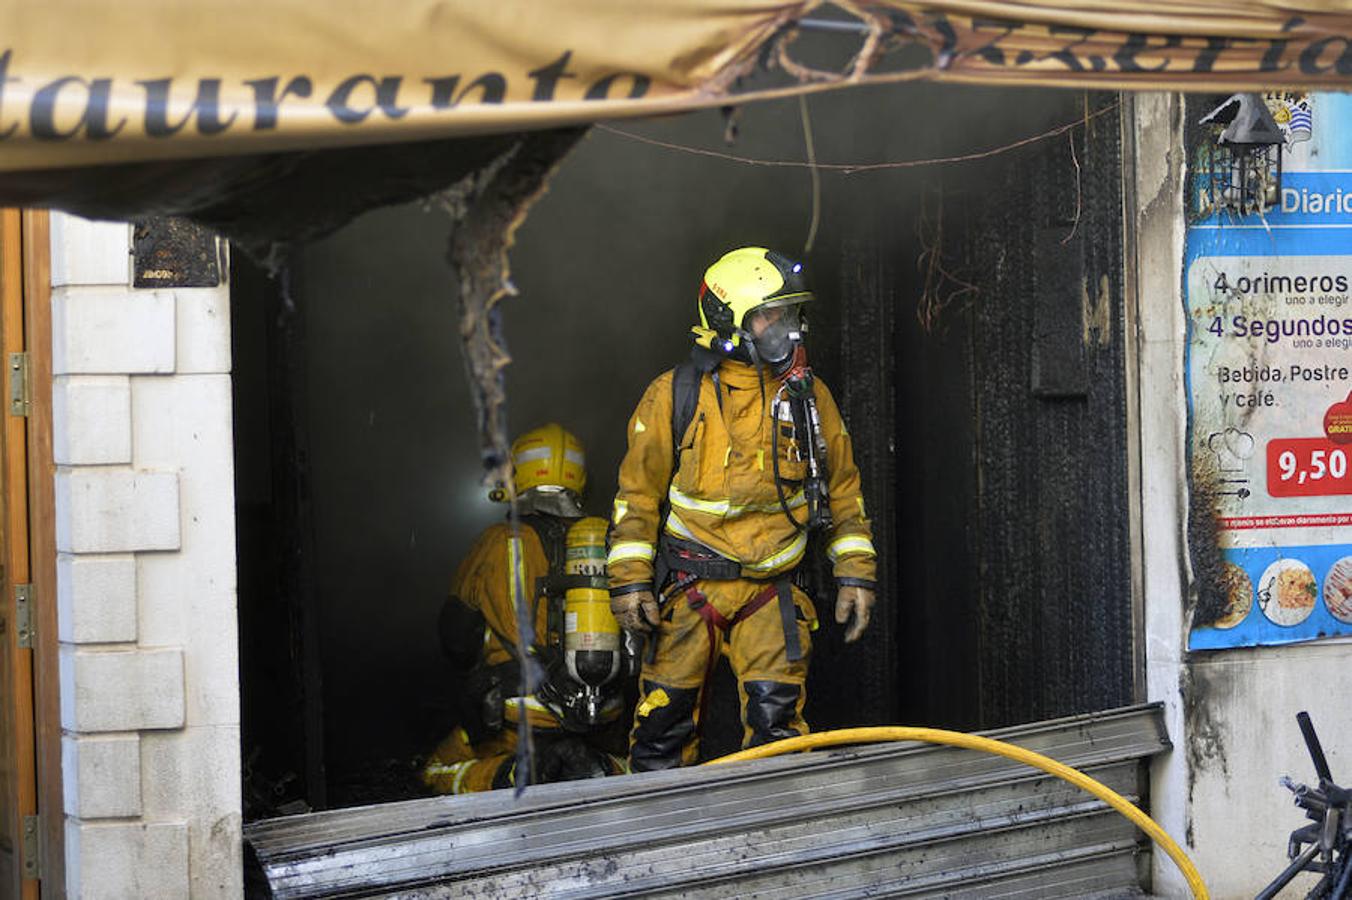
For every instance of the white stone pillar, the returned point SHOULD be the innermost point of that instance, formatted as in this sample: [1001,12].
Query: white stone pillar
[145,536]
[1158,240]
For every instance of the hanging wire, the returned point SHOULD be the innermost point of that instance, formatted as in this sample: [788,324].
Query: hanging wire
[851,168]
[816,175]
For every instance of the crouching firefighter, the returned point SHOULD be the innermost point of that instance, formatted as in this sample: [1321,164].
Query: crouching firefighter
[734,457]
[577,713]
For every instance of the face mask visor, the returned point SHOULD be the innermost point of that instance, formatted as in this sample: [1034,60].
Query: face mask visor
[775,330]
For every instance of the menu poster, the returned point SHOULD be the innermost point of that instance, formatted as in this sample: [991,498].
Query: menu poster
[1269,380]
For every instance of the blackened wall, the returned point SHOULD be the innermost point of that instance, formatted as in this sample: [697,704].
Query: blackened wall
[1021,554]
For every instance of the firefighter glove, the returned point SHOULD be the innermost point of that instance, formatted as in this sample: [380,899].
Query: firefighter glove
[635,611]
[856,600]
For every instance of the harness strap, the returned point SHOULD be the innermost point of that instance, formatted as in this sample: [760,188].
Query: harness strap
[715,621]
[700,604]
[756,603]
[788,617]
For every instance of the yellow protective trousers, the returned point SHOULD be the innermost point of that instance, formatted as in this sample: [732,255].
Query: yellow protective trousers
[458,767]
[701,621]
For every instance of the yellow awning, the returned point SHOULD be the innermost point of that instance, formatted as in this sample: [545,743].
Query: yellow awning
[86,83]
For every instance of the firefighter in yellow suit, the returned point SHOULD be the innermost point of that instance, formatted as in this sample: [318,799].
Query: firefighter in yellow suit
[478,631]
[709,524]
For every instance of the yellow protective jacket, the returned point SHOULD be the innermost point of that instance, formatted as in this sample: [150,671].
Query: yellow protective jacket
[723,493]
[483,582]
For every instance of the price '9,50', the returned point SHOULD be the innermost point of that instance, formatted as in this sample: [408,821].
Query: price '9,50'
[1307,467]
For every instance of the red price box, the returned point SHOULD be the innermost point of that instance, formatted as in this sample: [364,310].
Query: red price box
[1308,467]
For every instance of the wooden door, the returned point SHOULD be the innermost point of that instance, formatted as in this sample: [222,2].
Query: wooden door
[18,779]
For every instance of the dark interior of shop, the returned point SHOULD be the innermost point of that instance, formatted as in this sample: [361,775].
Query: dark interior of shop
[969,321]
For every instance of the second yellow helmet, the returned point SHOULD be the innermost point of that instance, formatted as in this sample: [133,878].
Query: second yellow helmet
[549,457]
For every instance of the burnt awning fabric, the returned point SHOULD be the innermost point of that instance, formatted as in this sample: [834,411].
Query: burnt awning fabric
[274,84]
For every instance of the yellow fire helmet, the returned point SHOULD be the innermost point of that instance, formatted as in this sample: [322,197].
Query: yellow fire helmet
[549,458]
[745,281]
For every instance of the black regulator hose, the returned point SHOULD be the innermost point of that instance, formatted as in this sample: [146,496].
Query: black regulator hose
[774,464]
[748,340]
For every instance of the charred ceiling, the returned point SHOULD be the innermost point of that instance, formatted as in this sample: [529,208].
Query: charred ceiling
[264,204]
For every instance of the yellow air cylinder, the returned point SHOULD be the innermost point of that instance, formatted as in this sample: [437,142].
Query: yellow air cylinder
[591,636]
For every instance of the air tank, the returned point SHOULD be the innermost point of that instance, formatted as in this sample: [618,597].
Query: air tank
[591,636]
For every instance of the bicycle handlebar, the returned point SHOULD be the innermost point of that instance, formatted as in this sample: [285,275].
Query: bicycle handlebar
[1329,838]
[1321,763]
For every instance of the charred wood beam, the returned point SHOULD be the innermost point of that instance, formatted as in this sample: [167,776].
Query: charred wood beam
[489,206]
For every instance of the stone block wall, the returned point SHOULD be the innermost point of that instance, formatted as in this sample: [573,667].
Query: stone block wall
[145,537]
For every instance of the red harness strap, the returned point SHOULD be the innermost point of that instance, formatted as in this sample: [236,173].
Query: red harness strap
[715,621]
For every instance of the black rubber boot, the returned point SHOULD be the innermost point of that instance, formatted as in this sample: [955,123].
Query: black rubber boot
[660,735]
[771,707]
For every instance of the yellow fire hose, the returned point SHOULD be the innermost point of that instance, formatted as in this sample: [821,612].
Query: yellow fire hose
[986,745]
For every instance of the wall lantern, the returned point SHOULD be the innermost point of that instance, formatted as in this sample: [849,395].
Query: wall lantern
[1245,171]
